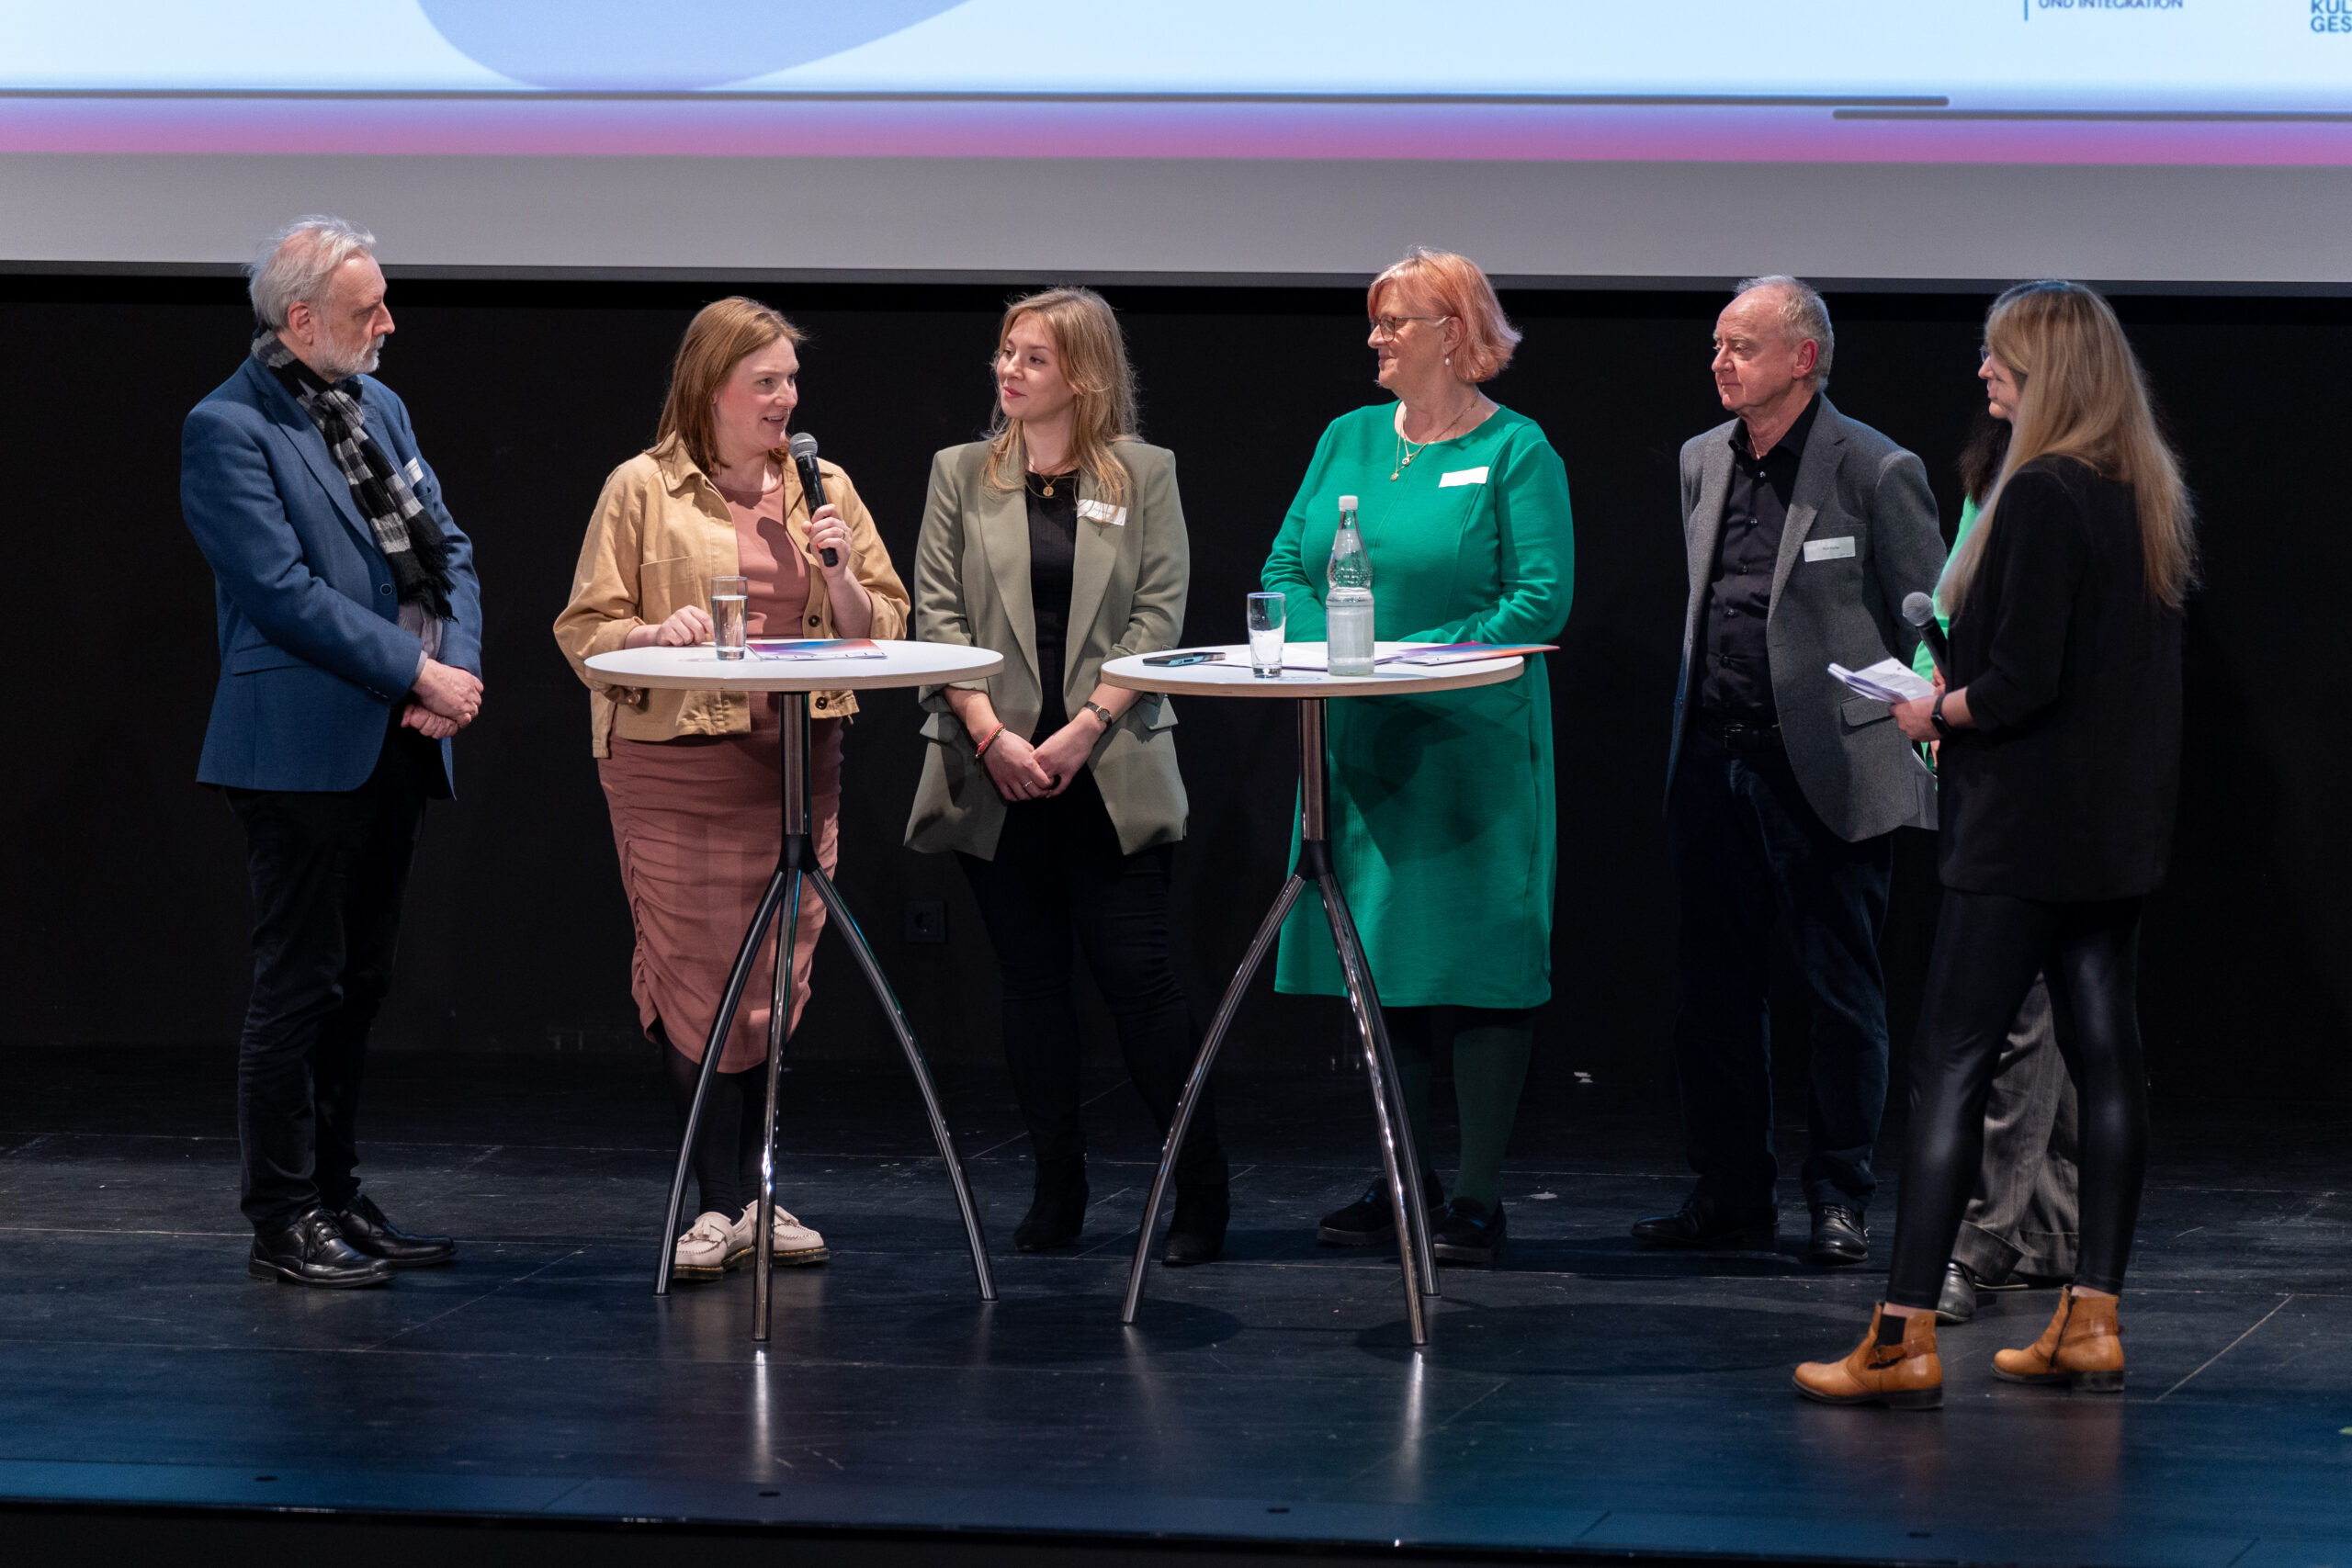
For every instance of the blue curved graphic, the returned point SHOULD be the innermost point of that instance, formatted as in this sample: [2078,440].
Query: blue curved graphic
[663,45]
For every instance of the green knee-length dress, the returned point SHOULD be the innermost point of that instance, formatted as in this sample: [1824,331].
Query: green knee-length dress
[1441,817]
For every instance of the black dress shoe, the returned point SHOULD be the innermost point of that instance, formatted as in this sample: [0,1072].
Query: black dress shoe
[310,1250]
[1839,1238]
[1197,1233]
[1700,1226]
[1371,1220]
[1957,1302]
[364,1226]
[1056,1208]
[1466,1232]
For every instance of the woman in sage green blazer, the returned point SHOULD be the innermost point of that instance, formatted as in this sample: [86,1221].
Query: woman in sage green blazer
[1059,543]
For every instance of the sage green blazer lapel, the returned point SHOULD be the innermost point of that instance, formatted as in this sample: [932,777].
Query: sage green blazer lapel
[1003,516]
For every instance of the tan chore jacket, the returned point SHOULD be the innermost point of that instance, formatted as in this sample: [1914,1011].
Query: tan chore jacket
[661,533]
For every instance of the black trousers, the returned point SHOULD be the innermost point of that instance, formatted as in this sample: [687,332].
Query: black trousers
[1060,883]
[1748,848]
[328,870]
[1987,949]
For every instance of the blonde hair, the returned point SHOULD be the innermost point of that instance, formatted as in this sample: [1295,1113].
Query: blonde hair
[1455,285]
[1091,355]
[721,336]
[2081,394]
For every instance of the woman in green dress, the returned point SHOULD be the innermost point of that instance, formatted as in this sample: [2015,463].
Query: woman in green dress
[1442,819]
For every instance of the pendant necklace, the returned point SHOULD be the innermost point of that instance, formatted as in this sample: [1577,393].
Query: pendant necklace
[1406,451]
[1046,492]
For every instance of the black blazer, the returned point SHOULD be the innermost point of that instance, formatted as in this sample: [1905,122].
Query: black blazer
[2064,788]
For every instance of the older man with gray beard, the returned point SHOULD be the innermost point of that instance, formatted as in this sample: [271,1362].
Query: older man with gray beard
[350,636]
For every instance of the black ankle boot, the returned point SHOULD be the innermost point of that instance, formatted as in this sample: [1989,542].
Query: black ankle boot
[1371,1220]
[1197,1233]
[1056,1210]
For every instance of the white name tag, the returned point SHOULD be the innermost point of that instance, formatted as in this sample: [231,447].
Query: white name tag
[414,472]
[1830,550]
[1462,476]
[1103,512]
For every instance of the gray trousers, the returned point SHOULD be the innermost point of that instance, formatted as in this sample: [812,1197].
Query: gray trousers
[2024,1217]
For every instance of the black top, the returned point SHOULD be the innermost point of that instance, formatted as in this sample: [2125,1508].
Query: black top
[1052,552]
[1735,679]
[2063,790]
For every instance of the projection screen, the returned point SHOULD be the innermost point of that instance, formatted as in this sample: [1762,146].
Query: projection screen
[2164,141]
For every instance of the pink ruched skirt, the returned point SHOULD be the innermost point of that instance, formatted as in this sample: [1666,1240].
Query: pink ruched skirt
[699,823]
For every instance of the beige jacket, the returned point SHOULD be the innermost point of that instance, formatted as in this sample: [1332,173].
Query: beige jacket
[1127,590]
[661,531]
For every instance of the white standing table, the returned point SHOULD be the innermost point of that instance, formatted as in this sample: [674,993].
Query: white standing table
[701,668]
[1311,688]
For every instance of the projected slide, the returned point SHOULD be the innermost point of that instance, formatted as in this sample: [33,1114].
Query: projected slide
[2087,80]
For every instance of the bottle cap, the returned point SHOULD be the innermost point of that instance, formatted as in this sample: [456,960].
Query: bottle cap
[1347,503]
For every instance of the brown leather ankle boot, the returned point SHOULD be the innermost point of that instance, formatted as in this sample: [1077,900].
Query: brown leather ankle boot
[2082,1348]
[1908,1376]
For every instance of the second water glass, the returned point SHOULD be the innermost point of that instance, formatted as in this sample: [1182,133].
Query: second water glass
[1266,635]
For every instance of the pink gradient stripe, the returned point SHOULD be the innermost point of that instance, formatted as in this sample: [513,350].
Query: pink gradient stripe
[1129,129]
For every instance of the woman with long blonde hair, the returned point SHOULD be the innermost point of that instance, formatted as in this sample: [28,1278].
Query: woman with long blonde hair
[2059,719]
[1059,542]
[692,777]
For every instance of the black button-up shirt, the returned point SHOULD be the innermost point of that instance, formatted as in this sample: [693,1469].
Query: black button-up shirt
[1736,670]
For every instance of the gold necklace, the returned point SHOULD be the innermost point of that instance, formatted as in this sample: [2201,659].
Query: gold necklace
[1406,451]
[1047,492]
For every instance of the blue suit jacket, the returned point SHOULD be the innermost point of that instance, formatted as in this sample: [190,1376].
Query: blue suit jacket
[312,656]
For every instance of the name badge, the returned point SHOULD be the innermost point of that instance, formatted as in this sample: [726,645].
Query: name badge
[1462,476]
[414,472]
[1103,512]
[1830,550]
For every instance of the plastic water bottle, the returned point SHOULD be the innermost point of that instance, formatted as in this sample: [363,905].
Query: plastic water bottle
[1347,604]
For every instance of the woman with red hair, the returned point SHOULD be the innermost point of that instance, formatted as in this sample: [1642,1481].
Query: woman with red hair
[1441,818]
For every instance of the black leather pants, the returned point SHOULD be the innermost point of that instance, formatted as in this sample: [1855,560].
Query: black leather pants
[1987,949]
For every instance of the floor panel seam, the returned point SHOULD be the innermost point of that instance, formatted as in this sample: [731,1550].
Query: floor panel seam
[2226,1350]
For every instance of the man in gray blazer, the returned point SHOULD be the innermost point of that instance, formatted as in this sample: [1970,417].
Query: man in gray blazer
[1804,530]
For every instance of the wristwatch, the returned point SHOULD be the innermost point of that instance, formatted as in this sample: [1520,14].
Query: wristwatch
[1936,716]
[1099,711]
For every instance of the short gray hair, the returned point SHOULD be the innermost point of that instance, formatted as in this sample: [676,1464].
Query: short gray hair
[296,264]
[1803,313]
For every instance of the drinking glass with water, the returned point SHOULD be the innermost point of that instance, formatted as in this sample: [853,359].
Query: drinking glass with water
[730,601]
[1347,598]
[1266,635]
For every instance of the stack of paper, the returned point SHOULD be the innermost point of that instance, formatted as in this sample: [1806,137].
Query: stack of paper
[1466,652]
[1888,681]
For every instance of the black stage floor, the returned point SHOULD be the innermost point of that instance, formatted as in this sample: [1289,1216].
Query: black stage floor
[1582,1398]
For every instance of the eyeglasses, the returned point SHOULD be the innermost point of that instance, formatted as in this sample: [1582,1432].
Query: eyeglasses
[1394,326]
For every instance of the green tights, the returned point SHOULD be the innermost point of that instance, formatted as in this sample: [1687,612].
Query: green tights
[1492,1046]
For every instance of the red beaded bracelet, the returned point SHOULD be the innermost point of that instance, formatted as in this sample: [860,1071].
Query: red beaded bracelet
[982,749]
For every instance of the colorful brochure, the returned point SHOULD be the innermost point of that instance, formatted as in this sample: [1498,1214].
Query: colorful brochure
[807,647]
[1466,652]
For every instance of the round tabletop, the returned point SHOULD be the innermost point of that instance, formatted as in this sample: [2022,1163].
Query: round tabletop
[1303,675]
[701,669]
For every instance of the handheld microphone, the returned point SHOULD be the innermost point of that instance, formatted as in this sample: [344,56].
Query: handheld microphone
[1920,611]
[812,484]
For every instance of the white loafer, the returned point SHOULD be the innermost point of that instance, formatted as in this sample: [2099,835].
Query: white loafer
[709,1249]
[796,1244]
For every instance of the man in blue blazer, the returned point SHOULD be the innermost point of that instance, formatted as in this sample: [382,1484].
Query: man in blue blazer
[350,630]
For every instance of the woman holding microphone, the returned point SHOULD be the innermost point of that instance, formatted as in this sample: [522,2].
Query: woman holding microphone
[692,778]
[1441,817]
[1059,542]
[2058,716]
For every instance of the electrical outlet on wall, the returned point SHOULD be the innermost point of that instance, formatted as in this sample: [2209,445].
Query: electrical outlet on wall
[926,920]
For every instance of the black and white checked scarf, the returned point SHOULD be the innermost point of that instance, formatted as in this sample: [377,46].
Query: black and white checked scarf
[412,541]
